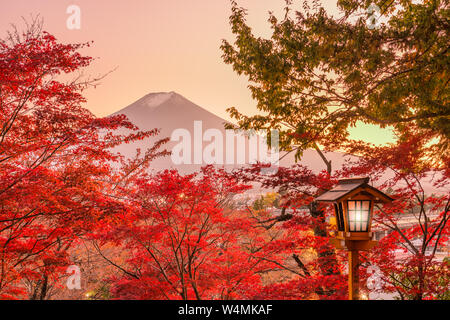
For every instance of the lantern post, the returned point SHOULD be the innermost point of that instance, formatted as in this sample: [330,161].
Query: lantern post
[353,201]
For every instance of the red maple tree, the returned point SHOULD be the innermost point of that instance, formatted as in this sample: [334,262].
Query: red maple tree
[316,267]
[416,223]
[406,257]
[55,160]
[185,241]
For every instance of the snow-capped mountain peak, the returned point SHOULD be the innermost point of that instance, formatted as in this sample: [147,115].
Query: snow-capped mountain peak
[154,100]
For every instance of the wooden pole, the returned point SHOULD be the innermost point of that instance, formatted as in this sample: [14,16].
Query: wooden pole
[353,275]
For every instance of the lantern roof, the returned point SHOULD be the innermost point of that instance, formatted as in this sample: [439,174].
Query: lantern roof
[348,187]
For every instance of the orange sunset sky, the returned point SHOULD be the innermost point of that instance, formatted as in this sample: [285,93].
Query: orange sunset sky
[160,45]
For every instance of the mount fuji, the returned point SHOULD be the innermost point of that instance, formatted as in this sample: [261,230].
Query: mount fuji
[170,111]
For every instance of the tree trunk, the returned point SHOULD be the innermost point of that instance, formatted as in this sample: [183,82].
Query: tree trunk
[326,254]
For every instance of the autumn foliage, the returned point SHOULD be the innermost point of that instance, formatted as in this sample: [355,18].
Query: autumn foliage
[65,192]
[183,241]
[54,160]
[406,256]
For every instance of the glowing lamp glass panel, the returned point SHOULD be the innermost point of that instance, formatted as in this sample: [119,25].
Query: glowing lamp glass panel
[358,215]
